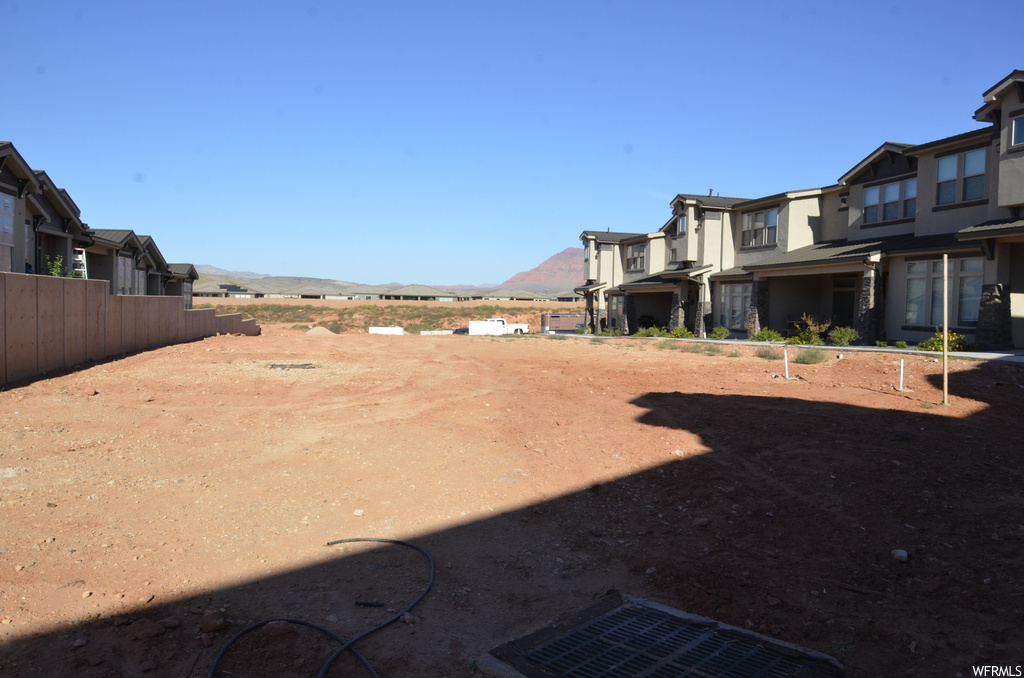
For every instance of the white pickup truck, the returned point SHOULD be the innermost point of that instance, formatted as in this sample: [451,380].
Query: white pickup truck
[497,326]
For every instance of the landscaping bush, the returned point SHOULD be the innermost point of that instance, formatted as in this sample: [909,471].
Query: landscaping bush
[881,344]
[680,332]
[956,342]
[650,332]
[811,356]
[767,335]
[901,344]
[809,331]
[719,333]
[843,336]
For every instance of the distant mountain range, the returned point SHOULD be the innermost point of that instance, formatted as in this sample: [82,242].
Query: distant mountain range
[558,273]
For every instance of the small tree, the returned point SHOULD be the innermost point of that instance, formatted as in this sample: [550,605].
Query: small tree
[55,266]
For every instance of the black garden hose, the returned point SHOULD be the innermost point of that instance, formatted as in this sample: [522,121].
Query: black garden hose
[345,645]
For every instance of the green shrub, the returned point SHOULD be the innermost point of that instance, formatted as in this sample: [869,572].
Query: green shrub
[767,335]
[719,333]
[768,353]
[843,336]
[651,332]
[901,344]
[956,342]
[811,356]
[881,344]
[680,332]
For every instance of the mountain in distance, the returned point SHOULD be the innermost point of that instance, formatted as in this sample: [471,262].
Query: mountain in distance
[204,269]
[558,273]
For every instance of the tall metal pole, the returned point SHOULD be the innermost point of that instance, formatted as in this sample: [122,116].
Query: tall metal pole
[945,329]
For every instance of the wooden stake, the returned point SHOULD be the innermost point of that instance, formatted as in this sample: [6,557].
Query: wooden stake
[945,329]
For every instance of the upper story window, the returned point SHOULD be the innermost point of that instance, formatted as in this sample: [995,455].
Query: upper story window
[681,226]
[888,202]
[761,228]
[586,253]
[961,177]
[635,257]
[1017,131]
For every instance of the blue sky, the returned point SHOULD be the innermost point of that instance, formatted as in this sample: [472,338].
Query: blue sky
[463,142]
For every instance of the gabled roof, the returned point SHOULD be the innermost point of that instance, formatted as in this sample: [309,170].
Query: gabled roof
[58,196]
[988,112]
[149,245]
[873,157]
[115,237]
[183,271]
[12,160]
[611,236]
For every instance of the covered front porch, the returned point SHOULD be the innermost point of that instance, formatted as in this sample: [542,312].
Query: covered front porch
[669,299]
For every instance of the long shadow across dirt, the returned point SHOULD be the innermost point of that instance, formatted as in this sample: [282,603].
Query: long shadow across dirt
[792,537]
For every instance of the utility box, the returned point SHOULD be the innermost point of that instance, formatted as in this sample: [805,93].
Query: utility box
[561,322]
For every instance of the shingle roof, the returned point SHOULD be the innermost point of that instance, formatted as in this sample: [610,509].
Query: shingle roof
[956,138]
[843,251]
[184,270]
[112,235]
[613,236]
[712,200]
[991,229]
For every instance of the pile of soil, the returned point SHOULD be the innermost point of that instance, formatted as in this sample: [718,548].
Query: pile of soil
[154,505]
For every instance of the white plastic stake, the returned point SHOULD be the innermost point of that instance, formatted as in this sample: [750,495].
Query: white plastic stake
[785,355]
[901,375]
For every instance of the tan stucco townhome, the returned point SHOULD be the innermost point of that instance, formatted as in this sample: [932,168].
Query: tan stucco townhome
[865,252]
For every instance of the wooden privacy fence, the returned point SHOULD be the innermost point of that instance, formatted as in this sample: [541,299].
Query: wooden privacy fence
[49,324]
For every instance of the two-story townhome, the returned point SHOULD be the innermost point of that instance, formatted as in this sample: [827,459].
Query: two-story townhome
[866,252]
[39,222]
[604,261]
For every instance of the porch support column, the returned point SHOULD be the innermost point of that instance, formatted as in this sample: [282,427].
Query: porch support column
[677,314]
[702,318]
[994,320]
[866,322]
[627,313]
[757,319]
[589,320]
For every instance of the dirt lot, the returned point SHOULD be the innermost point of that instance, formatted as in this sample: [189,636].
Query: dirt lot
[139,495]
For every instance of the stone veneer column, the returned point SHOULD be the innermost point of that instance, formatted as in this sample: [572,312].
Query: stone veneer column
[677,315]
[757,318]
[994,323]
[866,322]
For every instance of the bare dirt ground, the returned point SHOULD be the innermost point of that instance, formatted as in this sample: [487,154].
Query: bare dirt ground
[152,506]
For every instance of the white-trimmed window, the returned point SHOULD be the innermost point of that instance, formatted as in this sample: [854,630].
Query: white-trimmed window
[1017,131]
[635,257]
[761,228]
[681,225]
[924,291]
[961,177]
[733,305]
[586,252]
[889,202]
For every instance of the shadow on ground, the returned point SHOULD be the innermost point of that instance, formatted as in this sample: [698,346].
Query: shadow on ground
[791,535]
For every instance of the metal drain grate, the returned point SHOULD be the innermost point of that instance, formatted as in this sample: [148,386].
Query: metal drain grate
[637,640]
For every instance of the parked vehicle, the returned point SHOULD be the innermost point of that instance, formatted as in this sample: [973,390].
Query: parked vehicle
[497,326]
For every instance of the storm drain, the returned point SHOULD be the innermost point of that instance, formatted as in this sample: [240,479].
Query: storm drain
[640,639]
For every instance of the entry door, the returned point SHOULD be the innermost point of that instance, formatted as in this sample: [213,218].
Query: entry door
[844,301]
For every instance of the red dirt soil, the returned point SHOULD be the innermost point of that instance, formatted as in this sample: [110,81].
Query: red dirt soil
[140,494]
